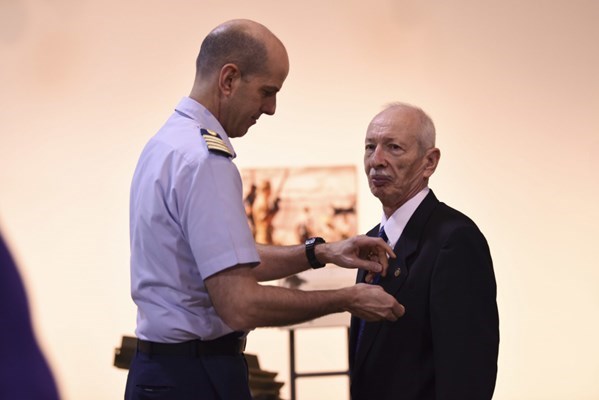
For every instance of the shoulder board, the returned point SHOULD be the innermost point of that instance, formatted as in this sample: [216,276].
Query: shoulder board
[215,143]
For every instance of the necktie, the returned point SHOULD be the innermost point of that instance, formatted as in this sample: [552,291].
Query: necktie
[375,281]
[383,236]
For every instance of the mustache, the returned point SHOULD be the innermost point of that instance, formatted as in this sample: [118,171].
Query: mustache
[373,174]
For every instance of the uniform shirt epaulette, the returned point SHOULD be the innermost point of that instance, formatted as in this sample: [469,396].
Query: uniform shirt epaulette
[215,143]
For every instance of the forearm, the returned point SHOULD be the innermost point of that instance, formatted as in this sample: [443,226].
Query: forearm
[254,305]
[357,252]
[278,262]
[277,306]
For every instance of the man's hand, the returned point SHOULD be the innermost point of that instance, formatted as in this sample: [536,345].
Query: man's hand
[372,303]
[364,252]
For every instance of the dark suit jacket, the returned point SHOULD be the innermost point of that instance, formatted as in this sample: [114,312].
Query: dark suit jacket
[24,372]
[445,346]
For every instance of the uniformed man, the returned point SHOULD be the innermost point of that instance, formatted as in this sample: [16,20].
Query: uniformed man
[194,264]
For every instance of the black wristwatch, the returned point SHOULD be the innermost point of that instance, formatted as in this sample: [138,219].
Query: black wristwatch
[310,244]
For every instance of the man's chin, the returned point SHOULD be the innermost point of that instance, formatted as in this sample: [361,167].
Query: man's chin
[239,134]
[377,191]
[379,194]
[247,129]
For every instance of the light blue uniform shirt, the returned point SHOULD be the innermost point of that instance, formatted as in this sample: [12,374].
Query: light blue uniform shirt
[187,222]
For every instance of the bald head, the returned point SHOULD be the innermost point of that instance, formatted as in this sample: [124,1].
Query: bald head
[242,42]
[240,69]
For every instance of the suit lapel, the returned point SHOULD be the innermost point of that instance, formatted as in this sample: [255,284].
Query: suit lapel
[398,272]
[407,245]
[362,273]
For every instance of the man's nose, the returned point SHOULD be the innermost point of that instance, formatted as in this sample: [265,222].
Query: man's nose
[269,106]
[378,157]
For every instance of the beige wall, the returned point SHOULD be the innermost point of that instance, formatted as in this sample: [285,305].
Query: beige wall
[512,86]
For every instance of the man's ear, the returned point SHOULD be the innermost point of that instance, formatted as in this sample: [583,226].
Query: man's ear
[228,78]
[431,160]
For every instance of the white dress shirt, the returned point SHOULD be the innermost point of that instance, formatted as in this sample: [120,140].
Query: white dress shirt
[396,223]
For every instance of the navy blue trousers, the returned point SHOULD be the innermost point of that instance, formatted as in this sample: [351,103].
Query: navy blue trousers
[161,377]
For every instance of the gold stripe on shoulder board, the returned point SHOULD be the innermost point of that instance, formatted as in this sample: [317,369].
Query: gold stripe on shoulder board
[215,143]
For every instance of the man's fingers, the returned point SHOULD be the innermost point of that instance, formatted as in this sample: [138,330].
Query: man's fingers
[376,261]
[381,255]
[369,277]
[371,263]
[388,250]
[399,310]
[383,261]
[385,306]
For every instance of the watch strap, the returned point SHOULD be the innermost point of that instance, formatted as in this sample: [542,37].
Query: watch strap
[310,254]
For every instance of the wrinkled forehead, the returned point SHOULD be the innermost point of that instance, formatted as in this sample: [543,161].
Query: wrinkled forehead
[392,124]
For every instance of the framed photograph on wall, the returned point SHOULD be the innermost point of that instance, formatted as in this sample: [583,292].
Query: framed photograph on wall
[286,206]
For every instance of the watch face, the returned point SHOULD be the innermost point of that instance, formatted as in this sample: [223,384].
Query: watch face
[314,240]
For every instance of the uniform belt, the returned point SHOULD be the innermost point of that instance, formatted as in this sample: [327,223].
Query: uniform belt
[230,344]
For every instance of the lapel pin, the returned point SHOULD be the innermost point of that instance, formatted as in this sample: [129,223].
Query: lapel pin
[397,272]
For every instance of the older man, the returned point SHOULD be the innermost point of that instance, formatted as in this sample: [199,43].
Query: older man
[446,345]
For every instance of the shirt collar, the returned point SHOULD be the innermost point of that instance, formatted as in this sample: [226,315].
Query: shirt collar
[396,223]
[190,108]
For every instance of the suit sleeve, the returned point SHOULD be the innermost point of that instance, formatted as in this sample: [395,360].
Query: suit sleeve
[24,372]
[464,318]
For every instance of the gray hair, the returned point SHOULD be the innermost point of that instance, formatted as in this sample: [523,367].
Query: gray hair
[426,133]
